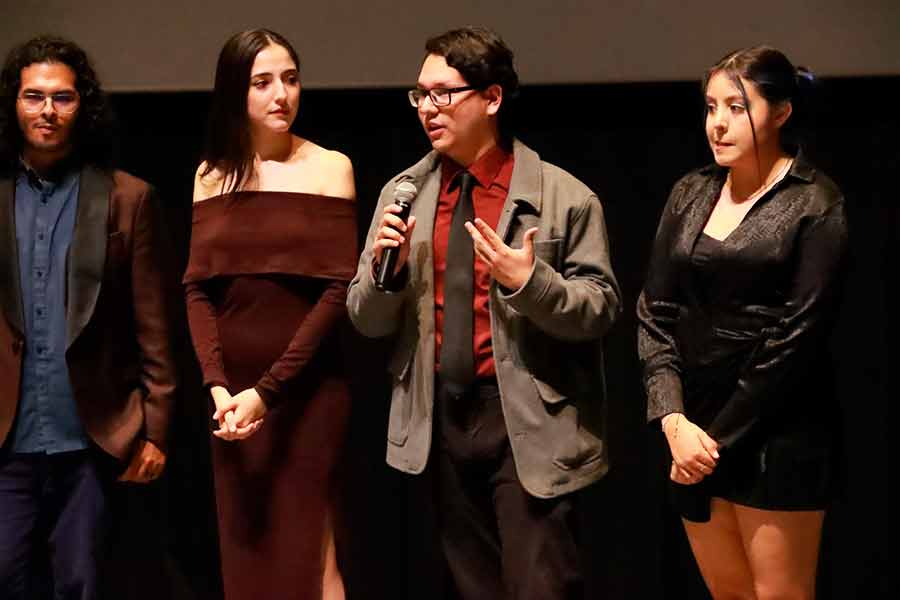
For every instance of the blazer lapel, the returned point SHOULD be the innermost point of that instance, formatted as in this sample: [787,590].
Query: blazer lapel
[87,254]
[10,283]
[524,186]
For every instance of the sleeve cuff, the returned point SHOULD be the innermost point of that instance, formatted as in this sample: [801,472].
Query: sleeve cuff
[397,283]
[664,395]
[527,298]
[268,390]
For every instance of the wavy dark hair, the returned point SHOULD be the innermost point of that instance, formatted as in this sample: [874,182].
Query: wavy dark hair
[777,80]
[228,147]
[93,135]
[483,59]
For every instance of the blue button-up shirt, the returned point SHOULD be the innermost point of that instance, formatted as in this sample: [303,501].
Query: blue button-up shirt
[47,419]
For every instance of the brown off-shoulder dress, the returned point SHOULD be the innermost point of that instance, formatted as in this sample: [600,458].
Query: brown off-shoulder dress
[266,288]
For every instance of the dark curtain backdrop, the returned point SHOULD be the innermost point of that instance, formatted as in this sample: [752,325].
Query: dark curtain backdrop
[629,142]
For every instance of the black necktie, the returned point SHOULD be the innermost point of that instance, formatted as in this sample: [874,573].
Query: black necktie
[457,361]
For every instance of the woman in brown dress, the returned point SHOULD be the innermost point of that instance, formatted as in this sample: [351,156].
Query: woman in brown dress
[273,247]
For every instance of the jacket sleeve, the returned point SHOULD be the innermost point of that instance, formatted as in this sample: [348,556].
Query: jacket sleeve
[152,289]
[658,308]
[319,322]
[375,313]
[581,301]
[810,307]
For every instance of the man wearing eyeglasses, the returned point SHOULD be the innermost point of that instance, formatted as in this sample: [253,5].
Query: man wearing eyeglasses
[86,378]
[501,295]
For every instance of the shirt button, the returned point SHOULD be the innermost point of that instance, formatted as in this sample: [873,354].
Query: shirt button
[40,236]
[40,274]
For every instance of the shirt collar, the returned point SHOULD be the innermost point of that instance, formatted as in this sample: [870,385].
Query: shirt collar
[61,172]
[486,169]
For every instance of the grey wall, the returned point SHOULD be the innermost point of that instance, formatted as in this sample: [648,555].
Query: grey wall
[170,45]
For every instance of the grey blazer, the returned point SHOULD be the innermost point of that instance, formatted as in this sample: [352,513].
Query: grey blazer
[546,336]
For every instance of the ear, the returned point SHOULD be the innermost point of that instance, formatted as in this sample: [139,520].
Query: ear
[783,112]
[494,96]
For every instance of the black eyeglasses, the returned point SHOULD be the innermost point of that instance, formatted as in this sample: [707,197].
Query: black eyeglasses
[439,96]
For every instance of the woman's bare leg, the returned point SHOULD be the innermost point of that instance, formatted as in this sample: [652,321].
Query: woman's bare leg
[719,550]
[332,582]
[783,550]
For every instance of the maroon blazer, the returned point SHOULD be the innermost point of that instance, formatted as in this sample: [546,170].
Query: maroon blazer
[117,313]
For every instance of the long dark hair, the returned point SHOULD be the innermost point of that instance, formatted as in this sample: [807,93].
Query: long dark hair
[228,148]
[93,134]
[483,59]
[777,80]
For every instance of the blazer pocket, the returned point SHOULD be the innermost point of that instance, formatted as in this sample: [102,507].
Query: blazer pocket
[548,393]
[573,446]
[584,449]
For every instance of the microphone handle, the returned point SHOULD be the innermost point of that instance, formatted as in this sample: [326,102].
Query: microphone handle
[385,274]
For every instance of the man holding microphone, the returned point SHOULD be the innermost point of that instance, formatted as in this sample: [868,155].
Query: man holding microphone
[498,289]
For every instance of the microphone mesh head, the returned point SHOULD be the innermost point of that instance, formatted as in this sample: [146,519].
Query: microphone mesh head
[405,191]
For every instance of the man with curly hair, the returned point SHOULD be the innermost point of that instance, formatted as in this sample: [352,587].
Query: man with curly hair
[86,377]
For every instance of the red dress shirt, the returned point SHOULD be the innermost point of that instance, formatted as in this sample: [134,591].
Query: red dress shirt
[493,172]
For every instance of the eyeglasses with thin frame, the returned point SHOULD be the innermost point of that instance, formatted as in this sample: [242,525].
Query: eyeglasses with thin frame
[439,96]
[64,102]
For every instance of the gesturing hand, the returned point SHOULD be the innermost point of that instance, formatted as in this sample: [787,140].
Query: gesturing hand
[511,267]
[694,453]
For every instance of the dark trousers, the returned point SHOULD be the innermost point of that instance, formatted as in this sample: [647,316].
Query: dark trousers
[499,541]
[52,514]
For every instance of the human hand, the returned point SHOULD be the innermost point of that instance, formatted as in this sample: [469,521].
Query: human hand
[146,464]
[245,418]
[511,267]
[694,453]
[393,233]
[229,427]
[224,403]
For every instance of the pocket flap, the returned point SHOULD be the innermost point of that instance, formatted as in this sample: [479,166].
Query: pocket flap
[547,392]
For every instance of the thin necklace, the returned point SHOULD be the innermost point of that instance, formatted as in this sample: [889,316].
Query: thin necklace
[769,183]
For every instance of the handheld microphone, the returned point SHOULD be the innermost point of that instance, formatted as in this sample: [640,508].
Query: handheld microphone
[404,194]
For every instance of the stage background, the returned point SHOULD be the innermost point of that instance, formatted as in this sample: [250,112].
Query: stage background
[171,45]
[630,143]
[611,95]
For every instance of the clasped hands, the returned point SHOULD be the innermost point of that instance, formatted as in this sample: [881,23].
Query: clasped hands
[238,416]
[694,453]
[511,267]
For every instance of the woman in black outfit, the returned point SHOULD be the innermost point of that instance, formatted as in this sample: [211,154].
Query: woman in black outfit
[734,317]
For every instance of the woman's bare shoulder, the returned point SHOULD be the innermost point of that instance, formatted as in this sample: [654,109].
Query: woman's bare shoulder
[207,184]
[333,168]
